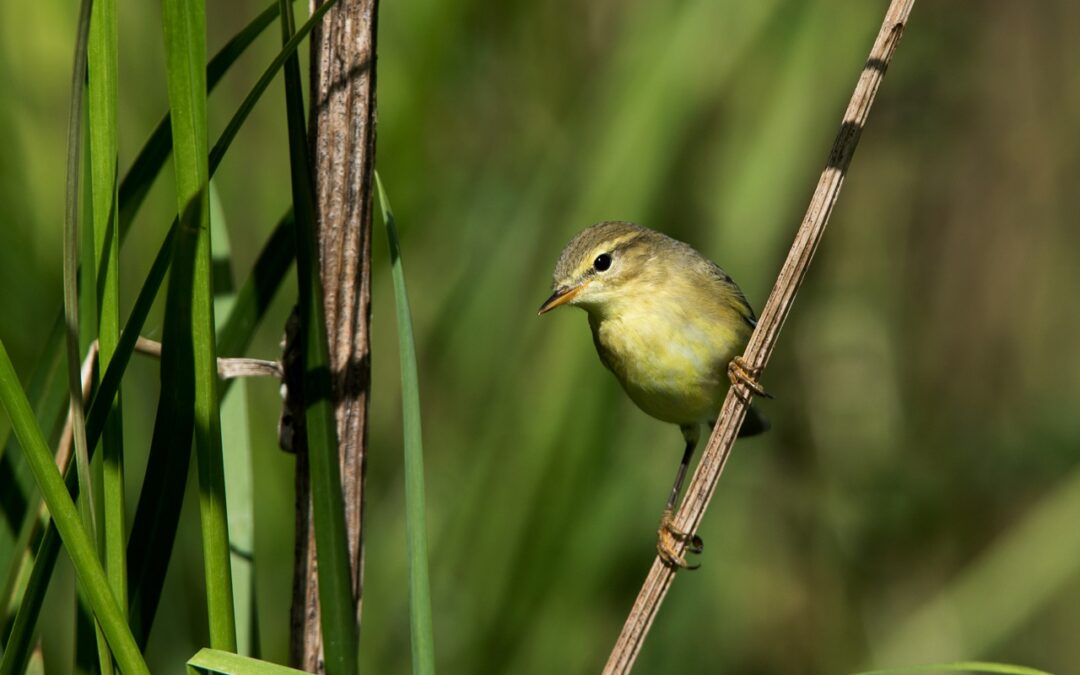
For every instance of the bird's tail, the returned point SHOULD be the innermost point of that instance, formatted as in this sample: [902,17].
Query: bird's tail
[754,424]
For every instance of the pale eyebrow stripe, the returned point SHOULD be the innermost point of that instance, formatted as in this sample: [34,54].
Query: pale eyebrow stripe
[614,245]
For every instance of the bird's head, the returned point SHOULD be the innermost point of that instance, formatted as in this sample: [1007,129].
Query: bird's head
[600,264]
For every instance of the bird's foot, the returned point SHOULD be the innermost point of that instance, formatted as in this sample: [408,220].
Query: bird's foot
[739,372]
[668,539]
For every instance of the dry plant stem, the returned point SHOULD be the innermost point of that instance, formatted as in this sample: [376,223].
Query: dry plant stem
[67,436]
[764,338]
[228,368]
[67,441]
[342,150]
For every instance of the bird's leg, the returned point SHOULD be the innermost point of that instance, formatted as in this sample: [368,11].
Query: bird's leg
[669,537]
[739,372]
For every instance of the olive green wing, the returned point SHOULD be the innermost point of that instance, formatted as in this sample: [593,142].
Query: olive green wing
[740,302]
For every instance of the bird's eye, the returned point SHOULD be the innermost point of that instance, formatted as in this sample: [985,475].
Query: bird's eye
[602,262]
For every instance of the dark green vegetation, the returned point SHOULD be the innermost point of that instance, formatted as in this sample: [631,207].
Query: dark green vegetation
[918,496]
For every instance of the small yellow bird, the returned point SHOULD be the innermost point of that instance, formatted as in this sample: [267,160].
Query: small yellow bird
[670,325]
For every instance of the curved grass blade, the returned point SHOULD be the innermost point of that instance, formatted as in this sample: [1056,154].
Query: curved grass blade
[23,500]
[155,151]
[73,250]
[71,266]
[184,25]
[143,603]
[960,667]
[151,558]
[336,604]
[29,532]
[102,56]
[170,446]
[16,554]
[254,296]
[41,389]
[161,532]
[236,436]
[217,153]
[47,388]
[423,643]
[133,189]
[20,642]
[76,540]
[155,524]
[212,661]
[287,51]
[152,157]
[158,513]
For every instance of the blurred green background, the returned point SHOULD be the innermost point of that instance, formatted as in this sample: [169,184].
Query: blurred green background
[919,497]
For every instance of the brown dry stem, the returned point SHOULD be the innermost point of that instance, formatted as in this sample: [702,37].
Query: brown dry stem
[228,368]
[705,478]
[342,137]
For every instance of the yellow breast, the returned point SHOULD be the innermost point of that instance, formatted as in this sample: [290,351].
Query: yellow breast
[670,354]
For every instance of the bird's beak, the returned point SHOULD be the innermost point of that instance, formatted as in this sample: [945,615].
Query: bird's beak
[561,296]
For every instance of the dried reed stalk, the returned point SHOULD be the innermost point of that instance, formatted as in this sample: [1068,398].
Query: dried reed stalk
[764,338]
[342,137]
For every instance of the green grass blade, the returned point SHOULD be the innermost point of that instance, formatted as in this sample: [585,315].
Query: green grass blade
[273,259]
[43,383]
[237,462]
[268,269]
[184,25]
[212,661]
[48,390]
[154,528]
[423,643]
[248,104]
[17,545]
[237,45]
[22,501]
[155,151]
[71,266]
[146,553]
[994,600]
[76,540]
[80,312]
[134,187]
[20,641]
[170,445]
[252,301]
[960,667]
[102,56]
[336,605]
[28,532]
[109,384]
[254,296]
[91,648]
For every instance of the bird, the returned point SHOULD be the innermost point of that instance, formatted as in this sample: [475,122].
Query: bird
[671,326]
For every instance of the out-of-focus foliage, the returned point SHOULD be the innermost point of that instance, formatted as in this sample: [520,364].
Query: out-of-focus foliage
[918,497]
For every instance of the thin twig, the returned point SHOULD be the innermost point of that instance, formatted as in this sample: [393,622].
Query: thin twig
[86,374]
[764,338]
[228,368]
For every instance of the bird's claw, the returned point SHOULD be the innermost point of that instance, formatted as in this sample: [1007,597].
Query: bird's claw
[739,372]
[668,541]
